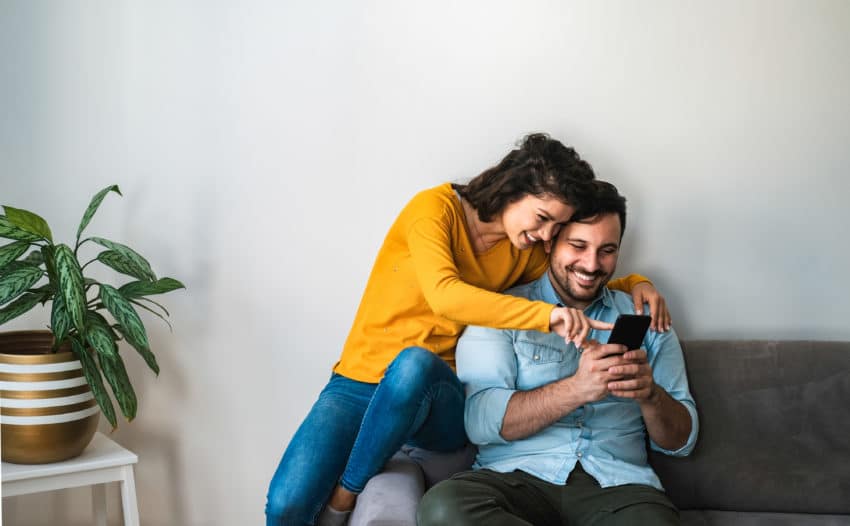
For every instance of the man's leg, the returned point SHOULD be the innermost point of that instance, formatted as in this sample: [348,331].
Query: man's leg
[639,513]
[585,502]
[481,497]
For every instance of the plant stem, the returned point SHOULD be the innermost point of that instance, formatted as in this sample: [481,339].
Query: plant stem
[87,263]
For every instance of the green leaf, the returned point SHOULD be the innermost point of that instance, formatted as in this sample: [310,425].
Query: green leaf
[13,266]
[116,374]
[117,261]
[125,315]
[144,352]
[45,291]
[34,258]
[16,282]
[29,222]
[71,285]
[136,289]
[155,313]
[160,305]
[128,253]
[95,203]
[12,251]
[10,231]
[47,255]
[60,321]
[92,372]
[19,306]
[100,335]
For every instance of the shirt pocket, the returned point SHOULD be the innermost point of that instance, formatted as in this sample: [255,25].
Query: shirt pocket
[538,364]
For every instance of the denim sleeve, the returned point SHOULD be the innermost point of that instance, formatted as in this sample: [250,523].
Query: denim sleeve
[487,366]
[668,371]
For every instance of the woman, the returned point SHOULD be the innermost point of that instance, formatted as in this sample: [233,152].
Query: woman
[442,266]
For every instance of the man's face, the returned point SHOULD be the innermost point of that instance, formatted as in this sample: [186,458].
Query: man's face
[584,258]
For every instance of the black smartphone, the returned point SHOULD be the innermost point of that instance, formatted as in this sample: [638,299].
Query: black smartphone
[630,330]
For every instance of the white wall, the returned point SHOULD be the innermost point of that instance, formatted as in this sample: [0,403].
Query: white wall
[264,148]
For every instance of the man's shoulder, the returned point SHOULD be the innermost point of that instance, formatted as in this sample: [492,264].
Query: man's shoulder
[622,301]
[530,290]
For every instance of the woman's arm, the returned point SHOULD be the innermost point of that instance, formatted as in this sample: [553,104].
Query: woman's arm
[429,241]
[643,291]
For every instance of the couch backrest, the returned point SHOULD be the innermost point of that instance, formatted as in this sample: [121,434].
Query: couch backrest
[774,428]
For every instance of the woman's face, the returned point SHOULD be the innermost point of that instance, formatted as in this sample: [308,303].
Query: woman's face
[535,218]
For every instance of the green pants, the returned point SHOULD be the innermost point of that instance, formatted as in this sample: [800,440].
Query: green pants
[477,498]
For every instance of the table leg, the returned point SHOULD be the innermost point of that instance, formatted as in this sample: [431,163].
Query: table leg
[128,498]
[98,493]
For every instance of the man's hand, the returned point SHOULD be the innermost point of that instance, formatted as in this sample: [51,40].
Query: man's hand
[597,370]
[667,421]
[530,411]
[635,377]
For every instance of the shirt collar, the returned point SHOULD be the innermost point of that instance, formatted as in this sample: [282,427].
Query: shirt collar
[548,294]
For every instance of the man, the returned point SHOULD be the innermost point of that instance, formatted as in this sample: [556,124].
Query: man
[561,431]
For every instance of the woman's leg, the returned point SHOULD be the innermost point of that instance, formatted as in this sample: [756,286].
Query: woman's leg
[420,399]
[317,454]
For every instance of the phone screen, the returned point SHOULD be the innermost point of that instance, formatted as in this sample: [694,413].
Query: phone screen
[630,330]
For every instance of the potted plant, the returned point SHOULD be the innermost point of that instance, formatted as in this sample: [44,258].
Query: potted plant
[53,381]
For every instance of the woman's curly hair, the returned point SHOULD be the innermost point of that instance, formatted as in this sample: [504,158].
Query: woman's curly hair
[541,165]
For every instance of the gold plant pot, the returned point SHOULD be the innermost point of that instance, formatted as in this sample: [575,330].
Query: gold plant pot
[47,411]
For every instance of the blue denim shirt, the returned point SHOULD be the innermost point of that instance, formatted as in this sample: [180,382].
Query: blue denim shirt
[608,437]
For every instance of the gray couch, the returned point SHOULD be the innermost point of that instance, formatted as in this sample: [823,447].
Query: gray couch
[774,444]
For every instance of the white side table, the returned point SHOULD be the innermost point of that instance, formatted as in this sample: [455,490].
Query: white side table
[102,461]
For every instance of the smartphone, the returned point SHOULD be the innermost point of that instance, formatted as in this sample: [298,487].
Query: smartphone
[630,330]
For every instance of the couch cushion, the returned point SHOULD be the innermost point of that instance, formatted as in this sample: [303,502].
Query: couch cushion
[733,518]
[390,498]
[774,428]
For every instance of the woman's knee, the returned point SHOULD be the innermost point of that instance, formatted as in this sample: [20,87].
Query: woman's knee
[413,360]
[417,368]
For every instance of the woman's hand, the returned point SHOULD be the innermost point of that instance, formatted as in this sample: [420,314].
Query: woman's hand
[572,325]
[645,292]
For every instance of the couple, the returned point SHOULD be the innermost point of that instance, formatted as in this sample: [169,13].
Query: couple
[539,410]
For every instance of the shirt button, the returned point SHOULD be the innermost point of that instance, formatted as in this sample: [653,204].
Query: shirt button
[536,357]
[578,454]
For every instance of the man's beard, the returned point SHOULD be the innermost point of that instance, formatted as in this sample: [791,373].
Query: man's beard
[573,290]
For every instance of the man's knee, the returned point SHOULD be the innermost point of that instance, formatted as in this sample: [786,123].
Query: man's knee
[441,506]
[644,513]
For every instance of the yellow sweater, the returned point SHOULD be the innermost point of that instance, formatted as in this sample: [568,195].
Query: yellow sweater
[427,284]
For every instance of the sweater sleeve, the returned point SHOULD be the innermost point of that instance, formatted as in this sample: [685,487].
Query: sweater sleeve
[627,283]
[429,241]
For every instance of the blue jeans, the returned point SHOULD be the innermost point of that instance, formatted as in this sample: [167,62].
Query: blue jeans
[355,427]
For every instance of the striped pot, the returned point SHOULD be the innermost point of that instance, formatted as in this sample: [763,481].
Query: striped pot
[47,411]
